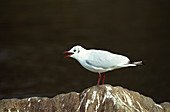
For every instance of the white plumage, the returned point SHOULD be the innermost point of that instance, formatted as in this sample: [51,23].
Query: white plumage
[99,61]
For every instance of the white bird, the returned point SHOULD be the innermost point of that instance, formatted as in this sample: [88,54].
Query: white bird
[99,61]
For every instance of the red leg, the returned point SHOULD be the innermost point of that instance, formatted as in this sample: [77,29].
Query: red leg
[103,78]
[99,79]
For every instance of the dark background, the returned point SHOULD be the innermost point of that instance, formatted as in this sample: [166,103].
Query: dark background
[35,33]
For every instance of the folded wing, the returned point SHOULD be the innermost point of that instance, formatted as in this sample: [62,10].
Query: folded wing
[105,59]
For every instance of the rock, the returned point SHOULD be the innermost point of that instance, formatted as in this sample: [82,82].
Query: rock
[166,106]
[108,99]
[103,98]
[60,103]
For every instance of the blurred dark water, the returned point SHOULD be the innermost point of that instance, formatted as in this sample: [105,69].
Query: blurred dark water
[34,34]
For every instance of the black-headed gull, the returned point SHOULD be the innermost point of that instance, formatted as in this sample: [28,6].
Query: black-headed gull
[99,61]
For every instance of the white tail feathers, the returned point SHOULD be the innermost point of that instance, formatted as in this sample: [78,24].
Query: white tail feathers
[137,63]
[132,64]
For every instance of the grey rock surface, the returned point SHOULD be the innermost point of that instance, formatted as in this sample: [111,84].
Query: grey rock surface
[103,98]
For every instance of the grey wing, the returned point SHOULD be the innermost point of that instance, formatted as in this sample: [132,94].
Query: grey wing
[105,59]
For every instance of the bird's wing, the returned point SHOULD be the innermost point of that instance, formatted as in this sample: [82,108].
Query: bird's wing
[105,59]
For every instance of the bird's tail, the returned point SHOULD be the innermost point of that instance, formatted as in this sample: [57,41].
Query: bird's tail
[137,63]
[132,64]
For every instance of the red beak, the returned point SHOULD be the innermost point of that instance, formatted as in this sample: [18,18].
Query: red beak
[68,53]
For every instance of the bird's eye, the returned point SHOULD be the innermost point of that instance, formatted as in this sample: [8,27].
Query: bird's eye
[74,50]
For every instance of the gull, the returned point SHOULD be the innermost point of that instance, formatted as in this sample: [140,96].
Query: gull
[99,61]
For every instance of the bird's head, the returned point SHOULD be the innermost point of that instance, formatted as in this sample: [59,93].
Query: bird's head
[75,52]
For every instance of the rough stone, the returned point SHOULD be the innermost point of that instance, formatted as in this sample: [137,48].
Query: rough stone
[103,98]
[60,103]
[166,106]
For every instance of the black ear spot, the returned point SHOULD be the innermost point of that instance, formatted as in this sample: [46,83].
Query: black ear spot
[78,50]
